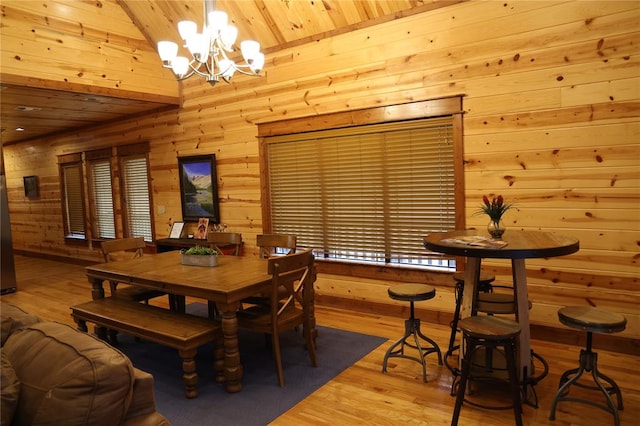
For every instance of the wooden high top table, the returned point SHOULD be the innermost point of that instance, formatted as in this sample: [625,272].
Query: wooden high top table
[235,278]
[521,245]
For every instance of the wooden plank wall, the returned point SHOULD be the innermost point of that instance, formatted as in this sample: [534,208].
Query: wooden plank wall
[46,42]
[552,119]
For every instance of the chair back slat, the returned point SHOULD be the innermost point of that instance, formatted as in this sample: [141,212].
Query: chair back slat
[115,249]
[220,240]
[270,244]
[294,273]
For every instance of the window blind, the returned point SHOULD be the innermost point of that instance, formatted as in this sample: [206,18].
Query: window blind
[136,195]
[367,193]
[103,219]
[73,200]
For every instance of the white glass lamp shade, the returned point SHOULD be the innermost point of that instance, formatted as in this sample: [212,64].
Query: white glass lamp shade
[250,49]
[257,63]
[216,21]
[167,51]
[198,45]
[187,29]
[227,68]
[228,36]
[180,65]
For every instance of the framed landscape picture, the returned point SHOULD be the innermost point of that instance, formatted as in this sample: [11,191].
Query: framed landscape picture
[199,188]
[30,186]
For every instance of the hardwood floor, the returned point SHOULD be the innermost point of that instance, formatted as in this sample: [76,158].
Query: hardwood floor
[362,394]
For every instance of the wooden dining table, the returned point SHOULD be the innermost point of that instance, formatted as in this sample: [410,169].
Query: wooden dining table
[233,279]
[519,245]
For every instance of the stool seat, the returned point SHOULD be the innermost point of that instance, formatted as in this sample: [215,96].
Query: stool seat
[490,328]
[497,303]
[412,292]
[591,319]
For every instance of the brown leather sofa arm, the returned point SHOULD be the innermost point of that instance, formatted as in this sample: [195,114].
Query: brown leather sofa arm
[142,409]
[147,420]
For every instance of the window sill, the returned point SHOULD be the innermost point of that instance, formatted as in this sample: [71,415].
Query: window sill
[381,272]
[76,241]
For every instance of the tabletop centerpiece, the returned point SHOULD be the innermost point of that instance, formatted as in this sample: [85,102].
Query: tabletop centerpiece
[494,208]
[199,256]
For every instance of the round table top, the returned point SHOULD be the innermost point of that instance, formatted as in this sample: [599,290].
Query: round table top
[519,244]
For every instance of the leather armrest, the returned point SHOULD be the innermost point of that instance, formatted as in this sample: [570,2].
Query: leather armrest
[143,401]
[147,420]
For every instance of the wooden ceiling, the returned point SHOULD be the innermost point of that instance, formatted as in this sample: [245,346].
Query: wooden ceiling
[44,109]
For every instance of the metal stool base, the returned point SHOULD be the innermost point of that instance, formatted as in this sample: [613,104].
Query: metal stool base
[589,363]
[412,331]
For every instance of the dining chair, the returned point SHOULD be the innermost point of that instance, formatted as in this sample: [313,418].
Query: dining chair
[272,245]
[225,242]
[124,249]
[295,273]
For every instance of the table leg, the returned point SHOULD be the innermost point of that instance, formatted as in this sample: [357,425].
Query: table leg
[522,316]
[232,366]
[471,279]
[97,290]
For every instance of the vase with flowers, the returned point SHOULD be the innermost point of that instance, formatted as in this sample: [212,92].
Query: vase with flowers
[494,208]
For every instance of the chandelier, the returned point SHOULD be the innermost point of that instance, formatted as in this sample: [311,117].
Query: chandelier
[209,49]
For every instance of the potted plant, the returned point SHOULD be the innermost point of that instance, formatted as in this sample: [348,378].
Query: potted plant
[199,256]
[494,208]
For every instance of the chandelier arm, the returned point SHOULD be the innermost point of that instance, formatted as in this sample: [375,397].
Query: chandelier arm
[196,69]
[240,69]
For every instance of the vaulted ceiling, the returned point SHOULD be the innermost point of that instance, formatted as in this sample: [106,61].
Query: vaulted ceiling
[44,105]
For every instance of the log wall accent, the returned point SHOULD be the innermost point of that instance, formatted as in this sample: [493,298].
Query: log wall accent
[552,122]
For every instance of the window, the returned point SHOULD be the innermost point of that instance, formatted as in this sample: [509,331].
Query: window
[137,206]
[130,187]
[72,196]
[366,193]
[102,211]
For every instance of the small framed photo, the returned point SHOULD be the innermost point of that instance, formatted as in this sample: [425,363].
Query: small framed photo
[30,186]
[203,226]
[176,230]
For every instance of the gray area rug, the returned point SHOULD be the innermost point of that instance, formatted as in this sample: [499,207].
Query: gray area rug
[261,399]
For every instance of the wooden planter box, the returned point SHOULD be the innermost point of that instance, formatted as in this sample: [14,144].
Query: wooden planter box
[199,260]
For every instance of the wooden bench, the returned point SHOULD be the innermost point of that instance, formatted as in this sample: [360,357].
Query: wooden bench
[176,330]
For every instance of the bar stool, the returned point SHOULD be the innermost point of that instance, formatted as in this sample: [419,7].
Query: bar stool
[492,299]
[484,285]
[489,332]
[412,293]
[591,320]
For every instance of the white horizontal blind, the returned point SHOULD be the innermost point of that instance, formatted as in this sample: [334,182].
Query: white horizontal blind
[73,200]
[366,194]
[103,198]
[136,194]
